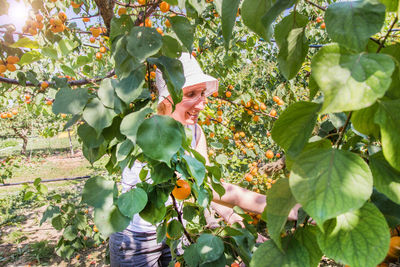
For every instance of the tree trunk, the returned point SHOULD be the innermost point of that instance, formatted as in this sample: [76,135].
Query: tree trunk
[23,135]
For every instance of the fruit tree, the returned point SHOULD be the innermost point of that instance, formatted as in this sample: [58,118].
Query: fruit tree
[307,112]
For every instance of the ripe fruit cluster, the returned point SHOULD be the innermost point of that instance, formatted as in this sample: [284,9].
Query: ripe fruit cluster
[9,64]
[57,24]
[33,25]
[182,190]
[8,114]
[75,4]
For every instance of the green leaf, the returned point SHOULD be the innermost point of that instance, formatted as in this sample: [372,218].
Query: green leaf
[160,137]
[94,154]
[388,118]
[394,50]
[98,192]
[161,173]
[70,232]
[25,42]
[97,115]
[120,26]
[67,70]
[294,126]
[107,94]
[70,101]
[124,149]
[161,232]
[191,257]
[82,60]
[269,255]
[50,213]
[330,182]
[307,236]
[280,201]
[198,5]
[183,29]
[89,136]
[30,57]
[222,159]
[391,5]
[363,120]
[350,81]
[386,178]
[171,47]
[132,202]
[252,11]
[363,232]
[172,72]
[175,229]
[209,247]
[152,213]
[366,18]
[389,209]
[110,220]
[130,86]
[196,169]
[292,42]
[228,18]
[277,8]
[58,222]
[66,46]
[131,123]
[143,42]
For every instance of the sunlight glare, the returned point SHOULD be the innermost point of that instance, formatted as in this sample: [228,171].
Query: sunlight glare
[18,14]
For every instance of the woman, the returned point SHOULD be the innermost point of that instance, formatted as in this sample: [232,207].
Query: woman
[137,245]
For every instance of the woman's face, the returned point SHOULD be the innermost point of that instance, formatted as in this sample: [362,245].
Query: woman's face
[193,100]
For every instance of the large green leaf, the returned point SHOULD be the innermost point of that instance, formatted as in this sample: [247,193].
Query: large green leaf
[183,29]
[98,192]
[70,232]
[97,115]
[110,220]
[30,57]
[313,144]
[172,72]
[252,11]
[294,126]
[94,154]
[388,118]
[25,42]
[120,26]
[132,202]
[389,209]
[350,81]
[124,149]
[143,42]
[330,182]
[67,45]
[196,169]
[386,178]
[192,258]
[67,70]
[394,90]
[130,123]
[161,173]
[307,236]
[171,47]
[277,8]
[107,94]
[89,136]
[359,238]
[269,255]
[160,137]
[81,61]
[130,86]
[153,213]
[198,5]
[50,52]
[70,101]
[363,120]
[228,18]
[365,17]
[391,5]
[292,42]
[209,247]
[175,229]
[280,201]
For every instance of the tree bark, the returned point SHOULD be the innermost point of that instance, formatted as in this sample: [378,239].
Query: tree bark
[273,166]
[106,10]
[24,137]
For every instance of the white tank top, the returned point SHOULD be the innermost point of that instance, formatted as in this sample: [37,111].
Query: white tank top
[130,177]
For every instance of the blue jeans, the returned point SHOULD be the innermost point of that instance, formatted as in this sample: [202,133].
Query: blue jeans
[128,248]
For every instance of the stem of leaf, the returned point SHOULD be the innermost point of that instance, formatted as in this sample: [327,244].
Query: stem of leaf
[387,34]
[180,219]
[339,141]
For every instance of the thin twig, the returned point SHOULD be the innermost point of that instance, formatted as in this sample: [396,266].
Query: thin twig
[71,83]
[387,35]
[314,4]
[180,219]
[337,144]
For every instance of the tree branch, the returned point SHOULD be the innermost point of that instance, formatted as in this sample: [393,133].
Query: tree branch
[273,167]
[106,10]
[339,140]
[180,219]
[71,83]
[387,35]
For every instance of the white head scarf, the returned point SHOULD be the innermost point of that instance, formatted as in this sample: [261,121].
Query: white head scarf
[193,75]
